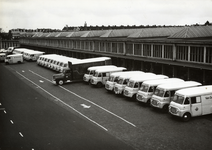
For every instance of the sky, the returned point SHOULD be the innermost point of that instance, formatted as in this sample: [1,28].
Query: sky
[56,14]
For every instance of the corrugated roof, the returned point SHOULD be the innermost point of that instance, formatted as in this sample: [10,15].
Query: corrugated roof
[63,34]
[155,32]
[119,33]
[53,34]
[45,34]
[77,34]
[194,32]
[94,33]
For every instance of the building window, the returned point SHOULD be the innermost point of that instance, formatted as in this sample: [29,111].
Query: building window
[114,47]
[182,53]
[108,47]
[129,48]
[137,49]
[157,51]
[208,54]
[197,54]
[96,46]
[120,48]
[147,50]
[102,46]
[168,51]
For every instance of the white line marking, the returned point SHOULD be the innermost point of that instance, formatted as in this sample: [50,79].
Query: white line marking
[0,104]
[41,81]
[11,121]
[86,100]
[23,71]
[21,134]
[5,111]
[63,102]
[85,106]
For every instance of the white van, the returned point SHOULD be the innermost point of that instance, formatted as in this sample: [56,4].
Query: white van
[114,77]
[164,93]
[41,59]
[91,70]
[2,56]
[32,55]
[148,88]
[191,102]
[14,58]
[123,80]
[135,83]
[101,75]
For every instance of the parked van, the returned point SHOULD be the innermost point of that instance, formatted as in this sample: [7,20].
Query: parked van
[14,58]
[164,93]
[101,75]
[192,102]
[41,59]
[32,55]
[148,88]
[135,83]
[91,70]
[2,57]
[114,77]
[123,80]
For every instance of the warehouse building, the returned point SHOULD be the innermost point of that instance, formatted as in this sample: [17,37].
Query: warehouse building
[184,52]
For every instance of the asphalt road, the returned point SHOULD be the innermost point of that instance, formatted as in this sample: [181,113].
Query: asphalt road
[46,114]
[28,120]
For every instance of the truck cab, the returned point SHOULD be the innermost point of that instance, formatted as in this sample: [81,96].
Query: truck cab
[62,77]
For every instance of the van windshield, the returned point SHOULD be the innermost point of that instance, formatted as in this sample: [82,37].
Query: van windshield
[178,99]
[144,88]
[120,81]
[111,78]
[130,84]
[159,92]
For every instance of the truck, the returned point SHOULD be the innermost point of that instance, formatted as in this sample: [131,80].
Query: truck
[14,58]
[102,75]
[76,70]
[192,102]
[135,83]
[91,71]
[164,93]
[148,88]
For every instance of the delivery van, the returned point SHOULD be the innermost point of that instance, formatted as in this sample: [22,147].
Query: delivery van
[148,88]
[123,80]
[102,75]
[192,102]
[114,77]
[135,83]
[91,70]
[164,93]
[32,55]
[14,58]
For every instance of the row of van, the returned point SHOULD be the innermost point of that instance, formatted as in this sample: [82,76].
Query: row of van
[55,62]
[159,91]
[28,54]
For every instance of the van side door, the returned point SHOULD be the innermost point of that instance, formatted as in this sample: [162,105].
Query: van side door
[196,106]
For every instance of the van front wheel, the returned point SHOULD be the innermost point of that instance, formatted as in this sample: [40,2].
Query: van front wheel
[99,84]
[186,117]
[60,82]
